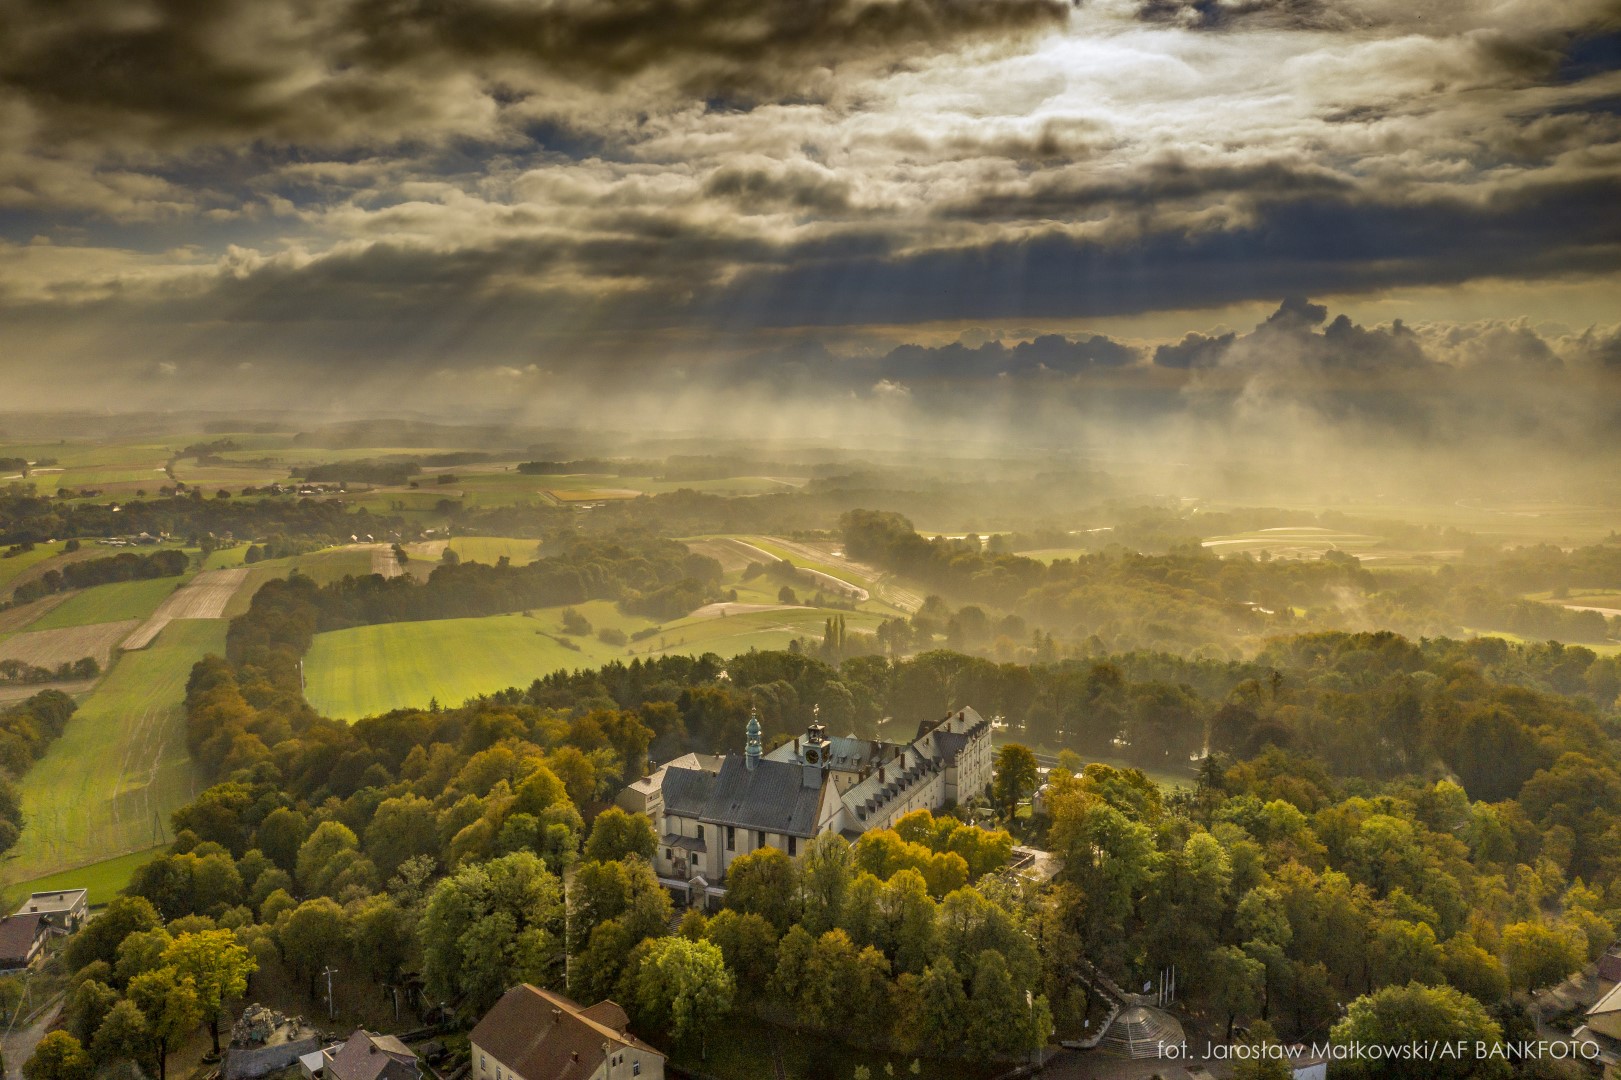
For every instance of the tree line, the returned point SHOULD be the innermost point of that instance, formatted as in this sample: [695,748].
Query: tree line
[125,566]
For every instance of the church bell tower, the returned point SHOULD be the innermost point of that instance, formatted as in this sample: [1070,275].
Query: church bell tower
[816,750]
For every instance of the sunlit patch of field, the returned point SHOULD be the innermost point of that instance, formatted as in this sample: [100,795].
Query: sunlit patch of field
[491,549]
[593,494]
[1299,542]
[1052,555]
[108,785]
[104,879]
[369,669]
[887,594]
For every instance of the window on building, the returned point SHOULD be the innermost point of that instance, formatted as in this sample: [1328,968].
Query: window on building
[793,845]
[731,838]
[759,839]
[635,1068]
[700,832]
[668,854]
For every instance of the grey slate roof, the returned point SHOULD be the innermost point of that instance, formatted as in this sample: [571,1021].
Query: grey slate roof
[771,797]
[950,744]
[687,791]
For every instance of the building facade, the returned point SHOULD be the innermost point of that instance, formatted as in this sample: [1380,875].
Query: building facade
[808,786]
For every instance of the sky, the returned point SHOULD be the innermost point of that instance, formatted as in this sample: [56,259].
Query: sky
[1397,214]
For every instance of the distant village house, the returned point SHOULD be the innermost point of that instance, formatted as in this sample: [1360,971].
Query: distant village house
[534,1034]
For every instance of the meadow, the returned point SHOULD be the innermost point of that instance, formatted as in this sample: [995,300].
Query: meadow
[107,786]
[109,603]
[371,669]
[103,879]
[13,566]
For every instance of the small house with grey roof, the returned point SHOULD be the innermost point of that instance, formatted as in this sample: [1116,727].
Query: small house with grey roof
[810,785]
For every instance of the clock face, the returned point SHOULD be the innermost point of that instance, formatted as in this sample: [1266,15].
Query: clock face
[813,756]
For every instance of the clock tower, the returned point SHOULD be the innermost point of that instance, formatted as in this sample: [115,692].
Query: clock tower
[816,752]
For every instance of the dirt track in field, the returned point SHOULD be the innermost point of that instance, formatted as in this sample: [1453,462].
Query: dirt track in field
[18,617]
[48,648]
[203,597]
[383,561]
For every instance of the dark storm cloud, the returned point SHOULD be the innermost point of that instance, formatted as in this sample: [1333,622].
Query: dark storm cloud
[1155,184]
[1194,351]
[285,69]
[1324,245]
[1048,354]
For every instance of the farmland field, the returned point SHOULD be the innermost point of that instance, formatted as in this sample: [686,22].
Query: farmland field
[489,549]
[13,567]
[107,786]
[576,495]
[109,603]
[103,879]
[17,618]
[48,648]
[203,597]
[370,669]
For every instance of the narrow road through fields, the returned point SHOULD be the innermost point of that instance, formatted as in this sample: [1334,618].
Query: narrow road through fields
[843,586]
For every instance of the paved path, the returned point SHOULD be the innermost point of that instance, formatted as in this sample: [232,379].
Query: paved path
[19,1043]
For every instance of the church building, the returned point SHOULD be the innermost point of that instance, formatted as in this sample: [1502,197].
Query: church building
[708,816]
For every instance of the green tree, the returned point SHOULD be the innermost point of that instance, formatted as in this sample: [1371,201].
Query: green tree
[1000,1017]
[122,1036]
[218,969]
[824,876]
[1015,777]
[312,936]
[88,1006]
[766,883]
[280,835]
[489,926]
[59,1056]
[616,835]
[1539,955]
[171,1006]
[1432,1015]
[749,945]
[330,856]
[1233,981]
[384,936]
[942,1004]
[141,952]
[683,987]
[401,829]
[101,936]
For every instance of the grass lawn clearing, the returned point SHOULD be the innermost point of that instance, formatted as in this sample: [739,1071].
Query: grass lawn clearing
[107,786]
[103,879]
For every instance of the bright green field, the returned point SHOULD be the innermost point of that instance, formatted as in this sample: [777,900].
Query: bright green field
[110,603]
[489,549]
[107,786]
[371,669]
[103,879]
[14,566]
